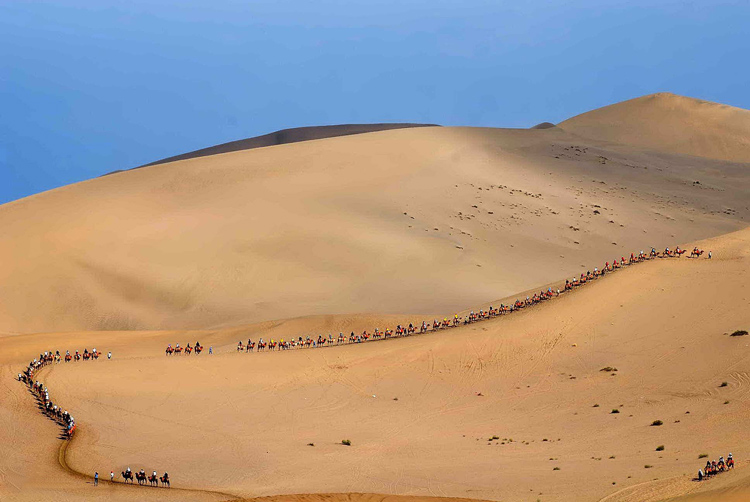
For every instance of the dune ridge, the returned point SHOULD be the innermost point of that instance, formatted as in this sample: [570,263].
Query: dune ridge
[283,137]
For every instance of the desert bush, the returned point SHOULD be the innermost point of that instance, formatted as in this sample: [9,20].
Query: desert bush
[346,442]
[615,410]
[656,423]
[739,332]
[703,455]
[660,447]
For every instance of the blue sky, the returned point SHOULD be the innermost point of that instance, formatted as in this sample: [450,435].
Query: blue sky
[88,87]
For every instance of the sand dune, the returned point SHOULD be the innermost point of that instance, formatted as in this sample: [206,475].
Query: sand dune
[670,123]
[241,423]
[371,230]
[424,219]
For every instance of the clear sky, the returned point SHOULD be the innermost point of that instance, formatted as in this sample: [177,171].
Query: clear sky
[91,86]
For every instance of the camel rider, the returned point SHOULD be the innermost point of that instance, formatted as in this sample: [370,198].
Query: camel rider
[127,470]
[154,475]
[166,476]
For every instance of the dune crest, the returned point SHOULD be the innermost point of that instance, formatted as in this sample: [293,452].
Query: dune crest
[285,136]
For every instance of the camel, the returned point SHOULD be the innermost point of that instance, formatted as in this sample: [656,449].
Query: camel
[164,480]
[153,480]
[141,477]
[127,476]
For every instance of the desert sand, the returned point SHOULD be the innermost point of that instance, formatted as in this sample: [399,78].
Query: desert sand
[310,238]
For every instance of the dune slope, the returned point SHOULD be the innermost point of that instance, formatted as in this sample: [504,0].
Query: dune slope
[670,123]
[426,219]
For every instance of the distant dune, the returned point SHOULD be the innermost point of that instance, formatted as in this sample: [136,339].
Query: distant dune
[669,123]
[544,125]
[286,136]
[423,219]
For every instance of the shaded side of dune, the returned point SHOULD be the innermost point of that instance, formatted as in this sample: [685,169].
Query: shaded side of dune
[283,137]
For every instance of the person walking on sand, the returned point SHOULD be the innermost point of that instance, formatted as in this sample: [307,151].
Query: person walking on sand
[709,255]
[211,349]
[96,479]
[111,476]
[109,355]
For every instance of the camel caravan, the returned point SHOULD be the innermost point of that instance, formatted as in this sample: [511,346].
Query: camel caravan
[66,420]
[63,417]
[321,341]
[41,393]
[143,478]
[714,467]
[187,350]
